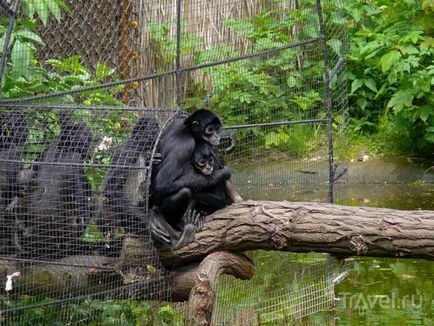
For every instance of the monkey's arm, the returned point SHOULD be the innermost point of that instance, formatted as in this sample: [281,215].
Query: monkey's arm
[196,181]
[233,195]
[15,180]
[174,161]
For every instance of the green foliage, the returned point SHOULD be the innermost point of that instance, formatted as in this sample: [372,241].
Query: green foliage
[163,44]
[24,39]
[391,71]
[268,88]
[26,76]
[167,315]
[92,234]
[89,312]
[61,75]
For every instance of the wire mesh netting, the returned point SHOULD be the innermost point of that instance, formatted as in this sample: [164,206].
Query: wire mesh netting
[88,89]
[273,298]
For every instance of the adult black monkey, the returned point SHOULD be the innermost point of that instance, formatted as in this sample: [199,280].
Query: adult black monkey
[13,133]
[185,218]
[60,202]
[124,189]
[177,147]
[175,181]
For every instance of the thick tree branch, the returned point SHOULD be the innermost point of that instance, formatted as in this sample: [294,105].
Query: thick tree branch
[305,227]
[202,295]
[249,225]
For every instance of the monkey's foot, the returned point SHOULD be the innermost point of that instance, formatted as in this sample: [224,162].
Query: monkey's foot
[187,236]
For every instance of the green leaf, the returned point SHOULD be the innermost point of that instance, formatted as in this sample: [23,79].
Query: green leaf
[41,9]
[370,83]
[55,10]
[20,56]
[424,116]
[389,59]
[63,6]
[362,103]
[29,35]
[103,71]
[428,42]
[356,84]
[424,112]
[2,41]
[92,234]
[54,62]
[28,8]
[381,90]
[410,49]
[400,100]
[336,45]
[291,81]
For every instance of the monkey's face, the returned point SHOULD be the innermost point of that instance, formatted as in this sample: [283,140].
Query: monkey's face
[205,165]
[208,133]
[211,134]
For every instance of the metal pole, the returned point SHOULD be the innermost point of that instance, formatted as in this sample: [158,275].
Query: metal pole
[178,53]
[329,105]
[13,14]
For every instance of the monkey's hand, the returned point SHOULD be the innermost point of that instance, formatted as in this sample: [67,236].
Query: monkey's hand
[12,205]
[187,236]
[194,217]
[220,175]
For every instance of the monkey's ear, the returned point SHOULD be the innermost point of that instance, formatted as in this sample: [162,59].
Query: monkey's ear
[195,127]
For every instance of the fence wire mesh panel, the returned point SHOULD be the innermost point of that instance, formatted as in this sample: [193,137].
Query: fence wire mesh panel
[88,88]
[287,289]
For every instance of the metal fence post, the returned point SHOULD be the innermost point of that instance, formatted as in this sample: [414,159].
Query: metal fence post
[329,104]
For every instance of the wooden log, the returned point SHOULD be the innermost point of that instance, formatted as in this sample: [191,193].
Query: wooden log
[307,227]
[202,295]
[248,225]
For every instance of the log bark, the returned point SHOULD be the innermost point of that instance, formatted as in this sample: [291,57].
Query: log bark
[202,295]
[249,225]
[306,227]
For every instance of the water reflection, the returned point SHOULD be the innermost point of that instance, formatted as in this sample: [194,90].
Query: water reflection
[377,291]
[388,291]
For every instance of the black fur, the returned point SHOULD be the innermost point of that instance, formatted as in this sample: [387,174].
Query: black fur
[176,180]
[60,202]
[214,197]
[13,132]
[124,189]
[177,147]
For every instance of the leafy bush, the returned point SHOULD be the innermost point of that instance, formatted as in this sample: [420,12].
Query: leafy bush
[267,88]
[89,312]
[391,69]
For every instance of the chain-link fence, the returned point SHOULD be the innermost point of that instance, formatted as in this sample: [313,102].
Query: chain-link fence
[81,79]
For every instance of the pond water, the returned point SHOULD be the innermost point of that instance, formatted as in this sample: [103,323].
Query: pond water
[377,291]
[388,291]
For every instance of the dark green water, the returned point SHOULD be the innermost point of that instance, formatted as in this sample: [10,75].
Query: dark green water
[377,291]
[389,291]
